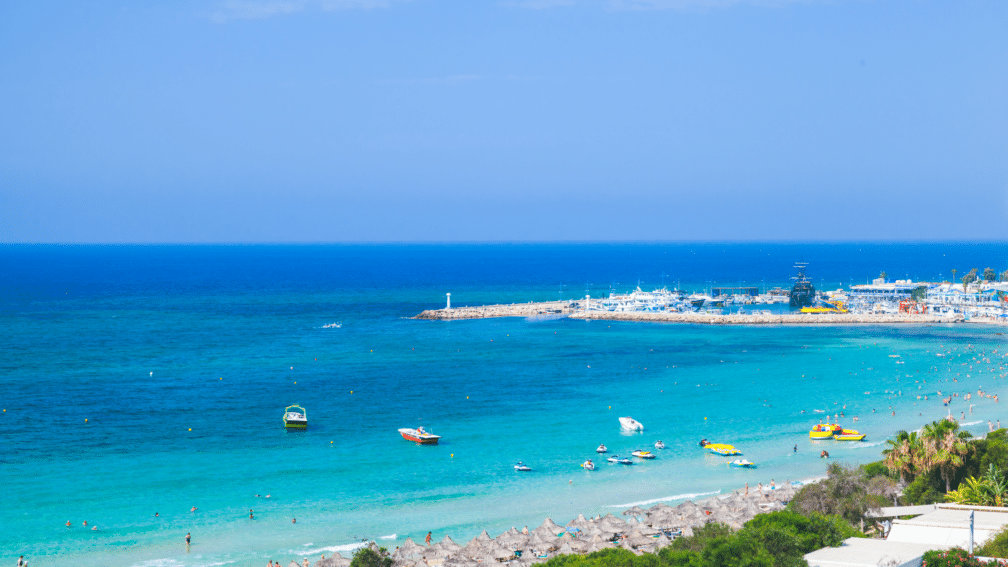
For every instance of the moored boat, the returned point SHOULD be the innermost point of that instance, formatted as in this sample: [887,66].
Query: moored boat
[824,431]
[522,467]
[616,459]
[630,424]
[295,417]
[588,465]
[602,449]
[659,445]
[643,454]
[742,463]
[419,436]
[722,449]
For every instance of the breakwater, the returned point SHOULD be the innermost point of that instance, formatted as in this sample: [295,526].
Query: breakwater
[575,310]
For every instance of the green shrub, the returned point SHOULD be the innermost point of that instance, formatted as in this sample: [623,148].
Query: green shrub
[875,469]
[367,557]
[955,557]
[701,537]
[736,550]
[811,532]
[996,546]
[847,492]
[925,489]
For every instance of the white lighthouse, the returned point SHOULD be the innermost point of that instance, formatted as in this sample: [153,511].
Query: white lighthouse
[449,301]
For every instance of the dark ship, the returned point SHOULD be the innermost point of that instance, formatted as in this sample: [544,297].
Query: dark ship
[803,292]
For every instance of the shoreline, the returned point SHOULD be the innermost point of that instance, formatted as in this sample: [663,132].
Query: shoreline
[551,310]
[643,531]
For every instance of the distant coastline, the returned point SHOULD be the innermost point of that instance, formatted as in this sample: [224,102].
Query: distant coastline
[559,309]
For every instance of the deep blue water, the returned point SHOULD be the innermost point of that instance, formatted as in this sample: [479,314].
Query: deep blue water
[147,342]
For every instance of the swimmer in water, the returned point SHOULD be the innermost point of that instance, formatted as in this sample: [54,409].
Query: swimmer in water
[68,523]
[796,448]
[193,509]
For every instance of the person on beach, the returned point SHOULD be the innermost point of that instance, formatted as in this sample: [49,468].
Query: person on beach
[21,561]
[305,562]
[427,539]
[270,564]
[760,488]
[525,530]
[773,485]
[747,489]
[188,541]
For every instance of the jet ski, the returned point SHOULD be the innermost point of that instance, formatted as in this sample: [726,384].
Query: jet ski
[588,465]
[643,454]
[522,467]
[659,445]
[602,449]
[616,459]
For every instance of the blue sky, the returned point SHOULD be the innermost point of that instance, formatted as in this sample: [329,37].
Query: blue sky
[431,120]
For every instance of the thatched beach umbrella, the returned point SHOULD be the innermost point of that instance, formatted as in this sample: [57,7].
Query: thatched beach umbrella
[662,541]
[580,522]
[449,544]
[660,508]
[500,553]
[635,511]
[565,549]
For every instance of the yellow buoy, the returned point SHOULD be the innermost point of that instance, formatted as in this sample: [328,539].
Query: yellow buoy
[453,455]
[221,377]
[705,419]
[190,429]
[351,391]
[330,442]
[85,420]
[610,407]
[467,397]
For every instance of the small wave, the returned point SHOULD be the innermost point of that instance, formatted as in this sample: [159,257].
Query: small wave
[166,562]
[970,422]
[336,325]
[665,499]
[866,445]
[393,536]
[335,548]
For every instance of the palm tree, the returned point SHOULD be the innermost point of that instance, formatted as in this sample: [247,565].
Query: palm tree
[902,455]
[944,447]
[954,271]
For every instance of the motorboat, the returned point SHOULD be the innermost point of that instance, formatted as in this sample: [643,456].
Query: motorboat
[419,436]
[522,467]
[602,449]
[643,454]
[588,465]
[742,463]
[616,459]
[295,417]
[659,445]
[849,435]
[631,424]
[722,449]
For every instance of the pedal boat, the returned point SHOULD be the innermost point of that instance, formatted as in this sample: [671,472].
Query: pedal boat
[630,424]
[295,417]
[588,465]
[849,435]
[643,454]
[419,436]
[742,463]
[522,467]
[616,459]
[602,449]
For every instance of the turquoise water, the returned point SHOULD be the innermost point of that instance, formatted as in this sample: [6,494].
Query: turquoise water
[146,343]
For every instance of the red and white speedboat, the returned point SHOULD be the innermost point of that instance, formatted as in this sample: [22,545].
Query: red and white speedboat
[420,436]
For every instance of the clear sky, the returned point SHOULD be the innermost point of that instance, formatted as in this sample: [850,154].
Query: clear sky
[431,120]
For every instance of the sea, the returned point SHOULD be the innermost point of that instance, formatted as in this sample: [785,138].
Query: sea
[143,389]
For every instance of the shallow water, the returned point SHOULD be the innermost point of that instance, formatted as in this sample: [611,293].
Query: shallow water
[146,343]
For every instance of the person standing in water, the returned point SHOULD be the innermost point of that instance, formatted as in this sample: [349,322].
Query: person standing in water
[427,539]
[188,540]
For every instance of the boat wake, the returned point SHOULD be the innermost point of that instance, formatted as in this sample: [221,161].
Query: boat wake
[866,445]
[336,325]
[666,499]
[334,548]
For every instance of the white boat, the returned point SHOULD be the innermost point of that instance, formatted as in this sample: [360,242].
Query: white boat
[631,424]
[522,467]
[602,449]
[419,436]
[295,417]
[588,465]
[742,463]
[616,459]
[659,445]
[643,454]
